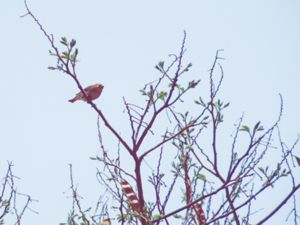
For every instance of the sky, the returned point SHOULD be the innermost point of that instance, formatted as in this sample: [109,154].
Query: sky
[119,44]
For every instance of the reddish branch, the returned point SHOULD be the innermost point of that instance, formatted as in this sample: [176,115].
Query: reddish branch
[187,180]
[140,129]
[131,196]
[168,99]
[72,74]
[277,208]
[248,201]
[200,214]
[254,143]
[190,204]
[188,191]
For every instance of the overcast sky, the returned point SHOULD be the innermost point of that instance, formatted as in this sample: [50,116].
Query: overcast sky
[119,44]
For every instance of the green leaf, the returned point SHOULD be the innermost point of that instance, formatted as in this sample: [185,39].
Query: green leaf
[187,67]
[72,43]
[256,126]
[193,83]
[260,128]
[226,105]
[64,41]
[143,92]
[51,53]
[177,216]
[157,217]
[261,169]
[245,128]
[136,214]
[200,102]
[65,55]
[161,95]
[5,203]
[73,57]
[161,64]
[201,177]
[149,94]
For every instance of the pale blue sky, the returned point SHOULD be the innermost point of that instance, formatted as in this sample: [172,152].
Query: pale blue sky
[119,44]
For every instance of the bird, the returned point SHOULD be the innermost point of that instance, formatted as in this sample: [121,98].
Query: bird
[92,92]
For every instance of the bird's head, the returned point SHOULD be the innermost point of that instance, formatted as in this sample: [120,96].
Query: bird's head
[99,85]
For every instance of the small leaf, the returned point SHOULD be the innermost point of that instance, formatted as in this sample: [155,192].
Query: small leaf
[256,126]
[177,216]
[161,95]
[193,83]
[73,58]
[72,43]
[136,214]
[187,67]
[5,203]
[161,64]
[143,92]
[51,53]
[64,41]
[149,94]
[202,102]
[226,105]
[157,217]
[65,55]
[260,128]
[52,68]
[261,169]
[298,160]
[201,177]
[245,128]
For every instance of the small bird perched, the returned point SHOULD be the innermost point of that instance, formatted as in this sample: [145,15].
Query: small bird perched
[92,92]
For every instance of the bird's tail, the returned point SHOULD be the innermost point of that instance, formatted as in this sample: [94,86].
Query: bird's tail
[73,99]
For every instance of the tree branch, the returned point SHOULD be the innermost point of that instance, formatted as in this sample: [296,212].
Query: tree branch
[284,201]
